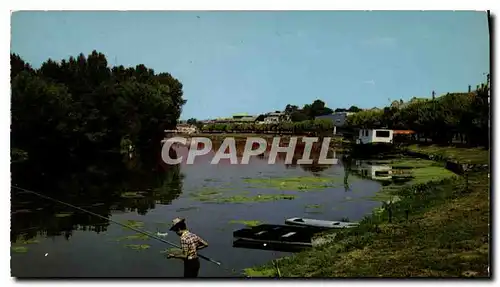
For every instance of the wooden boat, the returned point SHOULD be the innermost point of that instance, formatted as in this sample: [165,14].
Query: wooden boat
[268,234]
[315,223]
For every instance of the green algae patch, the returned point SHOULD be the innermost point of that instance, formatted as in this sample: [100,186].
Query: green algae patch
[257,198]
[137,236]
[134,224]
[29,241]
[249,223]
[19,249]
[207,193]
[138,246]
[302,184]
[62,215]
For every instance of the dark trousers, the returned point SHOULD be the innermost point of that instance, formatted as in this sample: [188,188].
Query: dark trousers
[191,268]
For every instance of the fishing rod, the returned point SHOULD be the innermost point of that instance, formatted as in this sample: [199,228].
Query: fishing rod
[116,222]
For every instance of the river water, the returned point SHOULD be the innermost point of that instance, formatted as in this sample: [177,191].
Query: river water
[59,242]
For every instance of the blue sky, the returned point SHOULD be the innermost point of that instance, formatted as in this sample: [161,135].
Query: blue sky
[256,62]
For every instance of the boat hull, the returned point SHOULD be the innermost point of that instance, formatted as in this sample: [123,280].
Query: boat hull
[321,224]
[276,235]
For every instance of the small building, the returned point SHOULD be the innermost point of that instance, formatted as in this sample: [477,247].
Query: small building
[367,136]
[183,129]
[338,118]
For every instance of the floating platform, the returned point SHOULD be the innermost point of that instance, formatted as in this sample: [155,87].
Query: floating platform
[249,244]
[275,235]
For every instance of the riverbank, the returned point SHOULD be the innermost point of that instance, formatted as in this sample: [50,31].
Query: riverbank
[475,156]
[438,229]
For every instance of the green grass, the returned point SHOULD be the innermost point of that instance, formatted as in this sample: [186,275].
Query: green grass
[461,155]
[445,235]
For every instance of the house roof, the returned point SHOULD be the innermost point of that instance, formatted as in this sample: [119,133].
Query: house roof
[403,132]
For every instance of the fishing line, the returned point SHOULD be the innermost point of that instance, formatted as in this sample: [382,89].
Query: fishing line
[116,222]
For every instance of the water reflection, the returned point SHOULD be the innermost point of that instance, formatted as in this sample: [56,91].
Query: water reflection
[99,187]
[384,173]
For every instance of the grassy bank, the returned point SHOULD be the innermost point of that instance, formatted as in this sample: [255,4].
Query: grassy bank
[455,154]
[438,228]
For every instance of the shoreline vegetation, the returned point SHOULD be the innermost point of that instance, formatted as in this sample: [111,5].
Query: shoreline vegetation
[437,228]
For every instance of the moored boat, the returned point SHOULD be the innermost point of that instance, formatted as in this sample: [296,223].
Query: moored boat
[268,234]
[316,223]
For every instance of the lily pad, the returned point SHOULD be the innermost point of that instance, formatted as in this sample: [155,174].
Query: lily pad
[249,223]
[19,249]
[134,223]
[301,184]
[257,198]
[137,236]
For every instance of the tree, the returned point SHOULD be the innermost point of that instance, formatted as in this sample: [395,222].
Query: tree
[191,121]
[260,118]
[354,109]
[81,106]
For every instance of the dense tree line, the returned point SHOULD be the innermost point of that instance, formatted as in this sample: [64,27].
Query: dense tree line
[463,116]
[303,127]
[81,105]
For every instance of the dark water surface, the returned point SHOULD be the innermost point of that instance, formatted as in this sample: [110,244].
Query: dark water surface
[81,245]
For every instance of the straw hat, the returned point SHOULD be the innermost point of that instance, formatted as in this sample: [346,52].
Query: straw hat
[176,221]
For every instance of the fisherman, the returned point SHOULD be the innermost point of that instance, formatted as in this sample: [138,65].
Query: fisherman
[190,244]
